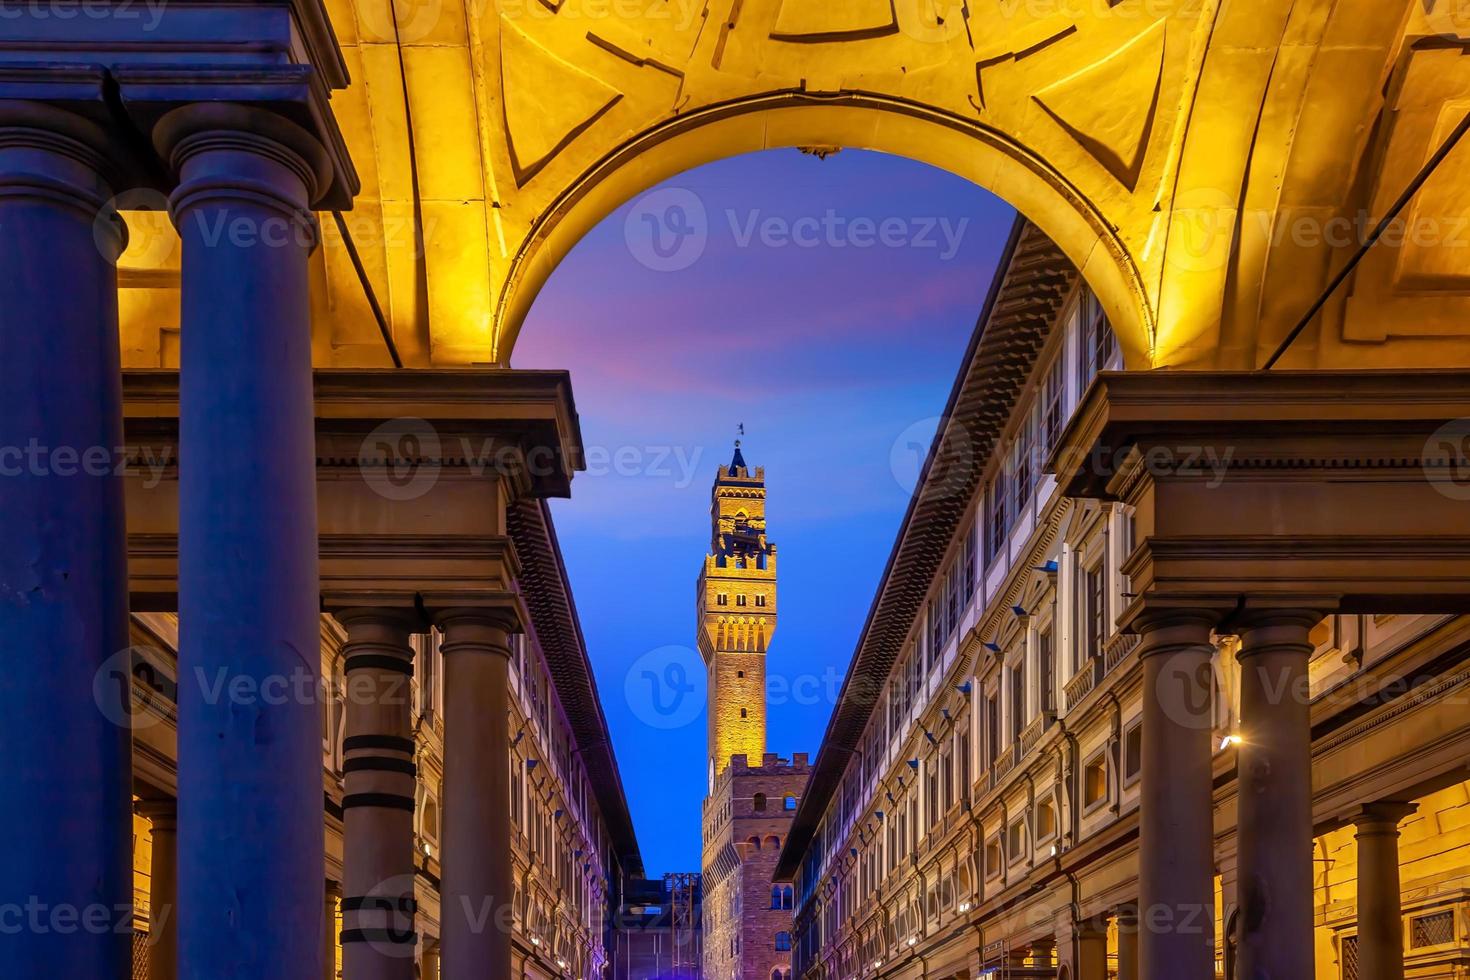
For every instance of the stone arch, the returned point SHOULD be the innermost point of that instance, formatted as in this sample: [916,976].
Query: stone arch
[981,154]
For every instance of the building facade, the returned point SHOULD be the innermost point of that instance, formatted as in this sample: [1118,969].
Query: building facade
[981,804]
[747,920]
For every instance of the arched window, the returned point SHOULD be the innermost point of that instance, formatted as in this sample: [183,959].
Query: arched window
[776,897]
[754,842]
[760,801]
[783,942]
[786,897]
[790,803]
[776,975]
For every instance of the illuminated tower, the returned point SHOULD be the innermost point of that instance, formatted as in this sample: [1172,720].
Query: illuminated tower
[737,614]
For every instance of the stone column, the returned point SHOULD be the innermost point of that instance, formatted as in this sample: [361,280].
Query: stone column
[429,968]
[329,929]
[1380,915]
[476,888]
[1127,944]
[1092,952]
[377,806]
[163,909]
[1274,824]
[251,838]
[63,562]
[1176,845]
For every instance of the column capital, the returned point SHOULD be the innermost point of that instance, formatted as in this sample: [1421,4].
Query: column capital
[162,814]
[1271,624]
[486,628]
[1167,627]
[1382,817]
[64,158]
[394,620]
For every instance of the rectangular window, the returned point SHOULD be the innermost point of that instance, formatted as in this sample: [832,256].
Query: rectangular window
[1046,658]
[967,557]
[740,599]
[760,600]
[936,628]
[1053,404]
[1097,344]
[1095,781]
[1023,472]
[995,519]
[1132,753]
[992,726]
[1016,839]
[1046,821]
[722,599]
[956,604]
[1094,629]
[1018,699]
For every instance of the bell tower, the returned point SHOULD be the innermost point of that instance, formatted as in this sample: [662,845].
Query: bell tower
[736,605]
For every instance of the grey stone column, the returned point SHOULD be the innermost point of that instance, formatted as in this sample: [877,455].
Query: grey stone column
[66,830]
[1380,912]
[476,889]
[378,936]
[1176,831]
[251,833]
[163,909]
[1274,874]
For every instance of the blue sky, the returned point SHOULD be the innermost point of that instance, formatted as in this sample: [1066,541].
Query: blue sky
[825,305]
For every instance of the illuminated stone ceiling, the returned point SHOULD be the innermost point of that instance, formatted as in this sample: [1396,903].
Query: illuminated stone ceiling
[1190,157]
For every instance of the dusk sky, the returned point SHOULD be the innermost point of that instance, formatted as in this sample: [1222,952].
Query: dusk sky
[824,305]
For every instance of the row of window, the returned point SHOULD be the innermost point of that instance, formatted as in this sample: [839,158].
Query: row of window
[723,599]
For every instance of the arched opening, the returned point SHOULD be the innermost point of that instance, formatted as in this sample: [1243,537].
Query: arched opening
[962,147]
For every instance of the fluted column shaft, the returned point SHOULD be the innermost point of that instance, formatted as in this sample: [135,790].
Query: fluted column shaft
[251,845]
[378,936]
[63,560]
[1275,795]
[476,889]
[1380,909]
[163,883]
[1176,845]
